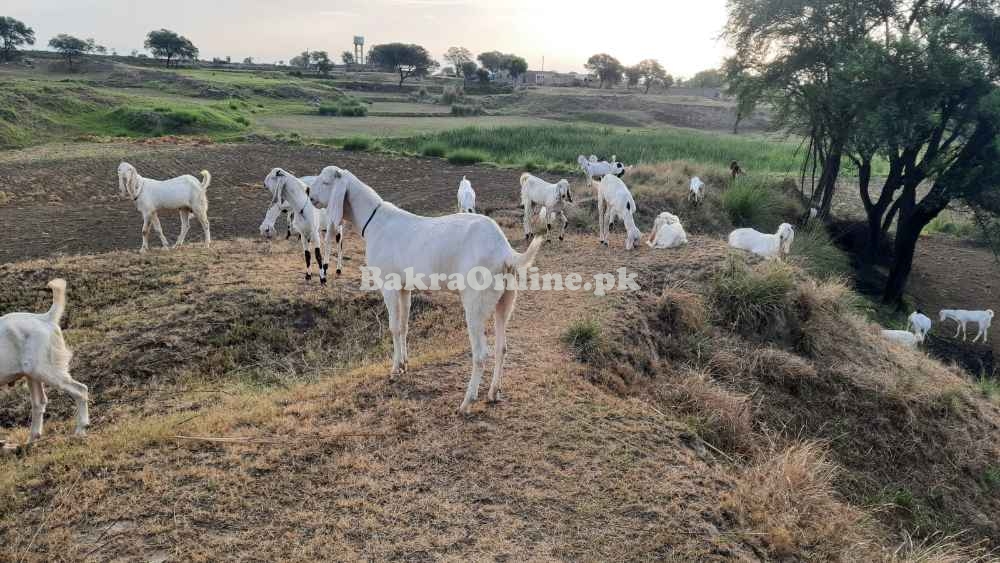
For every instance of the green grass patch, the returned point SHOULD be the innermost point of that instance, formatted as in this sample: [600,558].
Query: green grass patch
[752,204]
[750,298]
[438,150]
[466,110]
[347,107]
[821,256]
[584,337]
[953,225]
[467,156]
[988,386]
[136,121]
[359,144]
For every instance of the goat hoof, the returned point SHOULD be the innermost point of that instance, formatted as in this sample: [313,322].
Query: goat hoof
[560,238]
[338,271]
[309,277]
[322,281]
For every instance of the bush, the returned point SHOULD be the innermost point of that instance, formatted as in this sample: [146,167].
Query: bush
[464,110]
[164,121]
[949,224]
[452,94]
[585,339]
[819,255]
[466,156]
[438,150]
[348,107]
[751,204]
[751,300]
[358,144]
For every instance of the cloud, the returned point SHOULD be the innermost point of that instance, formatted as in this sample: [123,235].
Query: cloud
[431,3]
[339,14]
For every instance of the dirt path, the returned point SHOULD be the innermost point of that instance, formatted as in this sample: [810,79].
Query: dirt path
[67,202]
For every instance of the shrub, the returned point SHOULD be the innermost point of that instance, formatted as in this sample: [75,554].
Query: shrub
[751,204]
[163,121]
[452,94]
[819,255]
[438,150]
[948,224]
[585,339]
[751,300]
[358,144]
[464,110]
[466,156]
[347,107]
[242,121]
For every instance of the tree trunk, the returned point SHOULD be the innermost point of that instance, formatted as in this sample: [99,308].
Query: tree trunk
[907,234]
[828,179]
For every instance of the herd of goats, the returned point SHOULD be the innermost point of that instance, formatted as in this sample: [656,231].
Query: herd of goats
[32,345]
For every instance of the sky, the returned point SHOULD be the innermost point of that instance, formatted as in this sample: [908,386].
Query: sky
[682,35]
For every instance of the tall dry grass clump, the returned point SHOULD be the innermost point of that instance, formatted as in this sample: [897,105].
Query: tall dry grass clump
[752,300]
[719,416]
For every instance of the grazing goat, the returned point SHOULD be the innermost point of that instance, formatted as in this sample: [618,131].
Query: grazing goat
[982,318]
[183,194]
[32,347]
[306,219]
[919,323]
[667,232]
[553,197]
[466,197]
[696,192]
[614,200]
[402,244]
[735,170]
[593,169]
[903,337]
[762,244]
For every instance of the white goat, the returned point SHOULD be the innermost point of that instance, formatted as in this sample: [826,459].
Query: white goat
[903,337]
[961,316]
[593,169]
[614,200]
[183,194]
[553,197]
[696,192]
[919,323]
[762,244]
[288,190]
[466,197]
[434,249]
[667,232]
[32,347]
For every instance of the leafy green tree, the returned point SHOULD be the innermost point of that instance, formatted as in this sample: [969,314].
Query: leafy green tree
[913,84]
[492,60]
[168,45]
[13,34]
[483,75]
[632,76]
[607,68]
[321,60]
[458,56]
[406,59]
[652,72]
[248,61]
[468,70]
[708,78]
[302,60]
[347,57]
[515,66]
[71,47]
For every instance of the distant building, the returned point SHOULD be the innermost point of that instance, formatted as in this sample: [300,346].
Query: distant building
[552,78]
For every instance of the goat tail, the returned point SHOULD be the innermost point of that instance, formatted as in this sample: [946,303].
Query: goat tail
[58,287]
[524,260]
[206,179]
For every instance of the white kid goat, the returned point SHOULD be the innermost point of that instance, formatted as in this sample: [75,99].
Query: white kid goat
[667,232]
[696,190]
[762,244]
[903,338]
[184,194]
[961,316]
[614,200]
[287,190]
[919,323]
[433,250]
[32,347]
[553,197]
[592,168]
[466,197]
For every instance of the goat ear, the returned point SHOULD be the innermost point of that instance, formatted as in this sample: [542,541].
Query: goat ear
[338,195]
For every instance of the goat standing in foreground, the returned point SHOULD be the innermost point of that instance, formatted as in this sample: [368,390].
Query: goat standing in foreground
[553,197]
[961,316]
[32,347]
[667,232]
[614,200]
[466,197]
[288,190]
[696,191]
[436,248]
[592,168]
[184,194]
[762,244]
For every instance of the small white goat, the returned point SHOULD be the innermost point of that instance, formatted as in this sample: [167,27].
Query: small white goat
[903,337]
[183,194]
[696,192]
[553,197]
[762,244]
[32,347]
[919,323]
[402,244]
[306,219]
[592,168]
[961,316]
[466,197]
[614,200]
[667,232]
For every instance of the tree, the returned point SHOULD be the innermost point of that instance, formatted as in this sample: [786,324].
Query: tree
[406,59]
[468,70]
[912,84]
[347,58]
[515,66]
[709,78]
[632,76]
[248,61]
[458,56]
[71,47]
[607,68]
[13,34]
[492,60]
[302,60]
[168,45]
[483,75]
[652,72]
[321,60]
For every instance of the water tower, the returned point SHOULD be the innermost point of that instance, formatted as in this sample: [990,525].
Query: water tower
[359,49]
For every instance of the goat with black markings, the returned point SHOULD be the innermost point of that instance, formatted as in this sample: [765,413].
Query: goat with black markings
[288,190]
